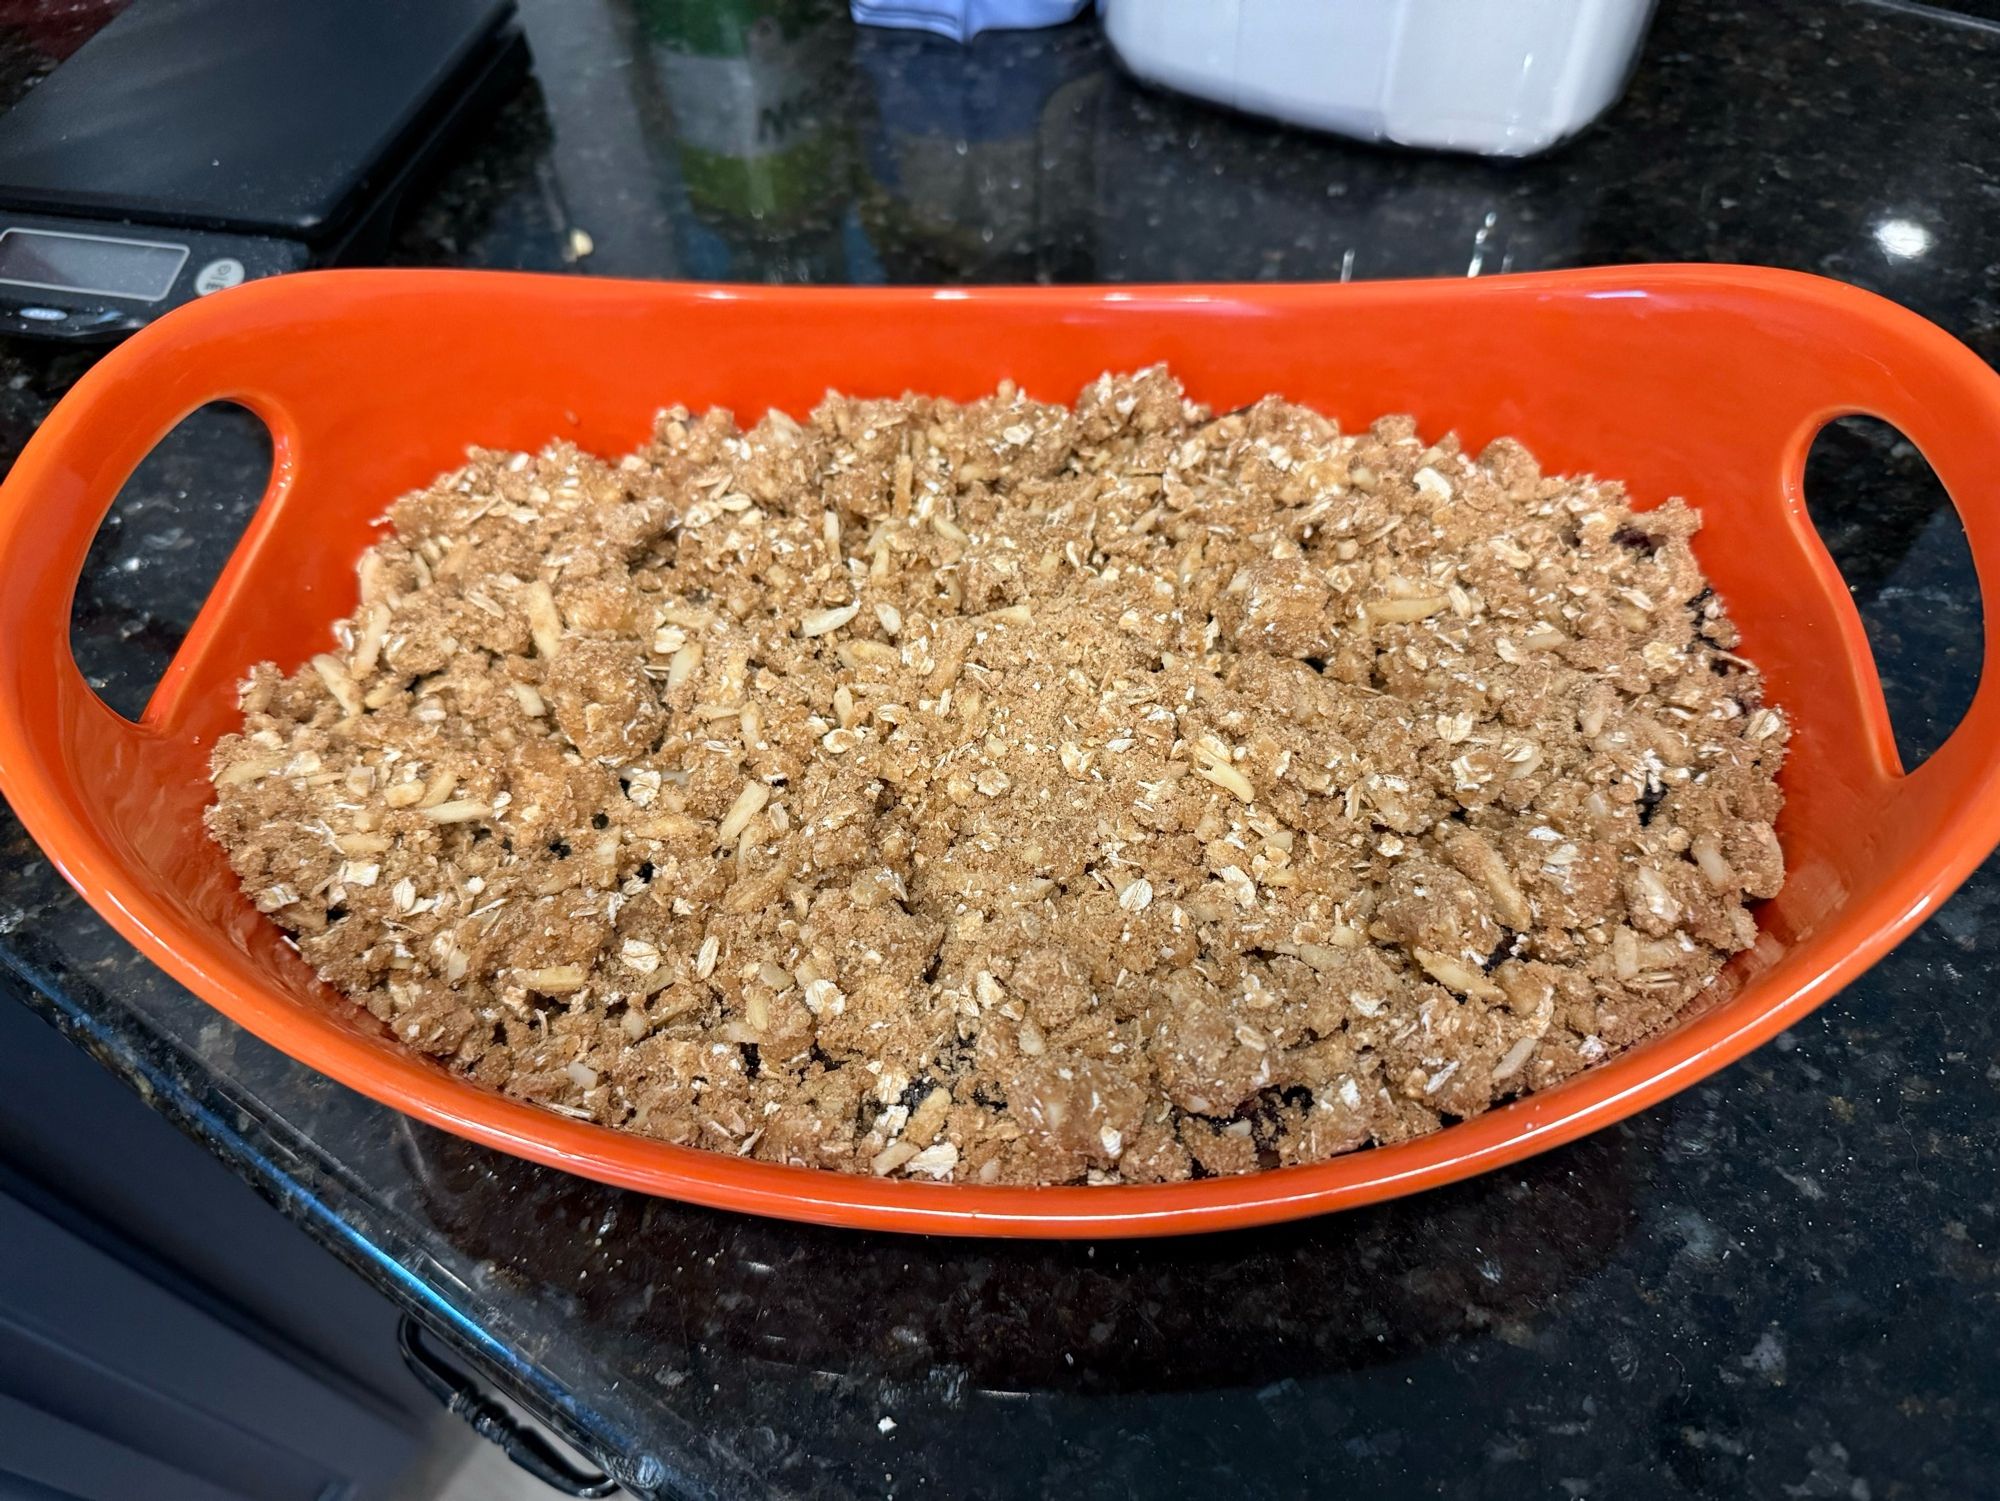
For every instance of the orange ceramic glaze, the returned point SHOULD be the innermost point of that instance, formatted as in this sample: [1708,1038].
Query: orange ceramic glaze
[1703,381]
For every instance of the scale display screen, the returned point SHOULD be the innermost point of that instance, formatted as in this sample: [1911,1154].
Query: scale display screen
[91,264]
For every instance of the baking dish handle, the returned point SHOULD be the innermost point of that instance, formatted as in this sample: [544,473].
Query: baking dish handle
[51,507]
[1946,401]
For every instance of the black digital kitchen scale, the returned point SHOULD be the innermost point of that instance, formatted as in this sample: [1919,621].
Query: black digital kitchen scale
[194,144]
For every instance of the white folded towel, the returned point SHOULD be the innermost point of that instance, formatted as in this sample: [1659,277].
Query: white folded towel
[963,19]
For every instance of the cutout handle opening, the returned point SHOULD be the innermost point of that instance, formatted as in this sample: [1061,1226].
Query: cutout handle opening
[1900,545]
[159,549]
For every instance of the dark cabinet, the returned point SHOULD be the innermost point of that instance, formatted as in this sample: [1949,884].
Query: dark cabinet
[164,1334]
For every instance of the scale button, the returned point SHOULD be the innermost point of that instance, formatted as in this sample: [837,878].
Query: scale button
[217,275]
[44,314]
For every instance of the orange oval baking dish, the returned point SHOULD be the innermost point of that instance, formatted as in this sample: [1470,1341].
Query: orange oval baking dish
[1708,382]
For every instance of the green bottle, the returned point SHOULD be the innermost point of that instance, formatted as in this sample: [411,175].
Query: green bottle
[754,87]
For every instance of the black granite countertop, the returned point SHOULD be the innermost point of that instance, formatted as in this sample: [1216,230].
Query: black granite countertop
[1782,1282]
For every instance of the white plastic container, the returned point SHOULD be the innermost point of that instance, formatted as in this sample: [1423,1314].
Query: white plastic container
[1496,77]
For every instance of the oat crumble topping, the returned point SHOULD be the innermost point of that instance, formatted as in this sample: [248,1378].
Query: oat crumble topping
[1017,793]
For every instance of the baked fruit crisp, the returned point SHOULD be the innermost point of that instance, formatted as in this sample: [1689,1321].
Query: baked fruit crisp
[1017,793]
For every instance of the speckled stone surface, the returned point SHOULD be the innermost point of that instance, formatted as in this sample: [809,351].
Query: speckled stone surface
[1783,1282]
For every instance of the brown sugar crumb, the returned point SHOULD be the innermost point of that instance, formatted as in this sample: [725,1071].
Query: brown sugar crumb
[1017,793]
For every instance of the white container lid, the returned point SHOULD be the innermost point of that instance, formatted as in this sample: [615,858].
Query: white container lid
[1497,77]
